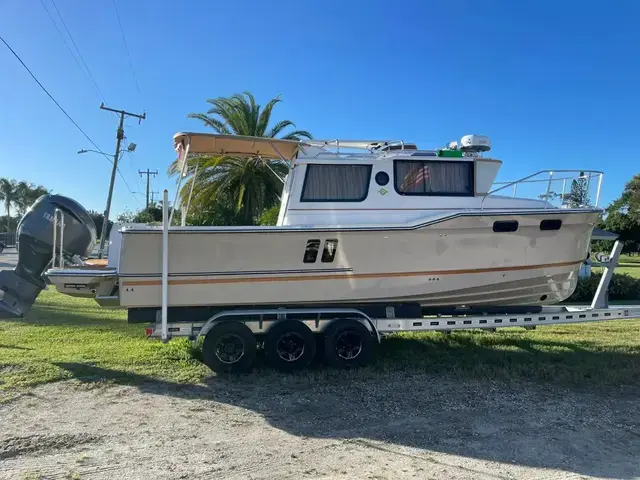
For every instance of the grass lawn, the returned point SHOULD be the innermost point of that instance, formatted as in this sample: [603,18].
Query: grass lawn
[626,264]
[65,337]
[61,333]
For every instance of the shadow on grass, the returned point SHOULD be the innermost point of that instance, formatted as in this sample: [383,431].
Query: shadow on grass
[14,347]
[45,314]
[580,365]
[542,427]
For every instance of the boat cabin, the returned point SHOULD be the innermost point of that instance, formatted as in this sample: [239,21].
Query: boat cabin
[388,182]
[365,182]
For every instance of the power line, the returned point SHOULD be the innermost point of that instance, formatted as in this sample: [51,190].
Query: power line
[116,156]
[66,114]
[64,24]
[93,83]
[53,99]
[148,173]
[126,47]
[129,188]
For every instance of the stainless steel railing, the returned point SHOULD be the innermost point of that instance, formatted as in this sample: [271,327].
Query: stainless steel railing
[550,177]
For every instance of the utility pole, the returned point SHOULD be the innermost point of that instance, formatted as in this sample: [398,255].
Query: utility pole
[153,197]
[119,137]
[148,173]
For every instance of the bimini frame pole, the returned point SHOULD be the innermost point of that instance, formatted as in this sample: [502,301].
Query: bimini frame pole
[184,153]
[165,263]
[183,220]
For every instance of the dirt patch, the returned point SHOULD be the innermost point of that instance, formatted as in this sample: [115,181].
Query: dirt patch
[390,426]
[42,444]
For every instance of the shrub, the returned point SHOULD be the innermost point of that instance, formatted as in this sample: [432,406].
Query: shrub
[622,287]
[269,216]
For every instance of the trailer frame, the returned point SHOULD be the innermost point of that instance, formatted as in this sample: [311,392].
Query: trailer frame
[260,320]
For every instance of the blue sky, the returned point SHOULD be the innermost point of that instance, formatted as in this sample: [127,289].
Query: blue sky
[554,84]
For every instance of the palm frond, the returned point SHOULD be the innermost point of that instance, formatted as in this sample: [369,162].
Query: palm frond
[239,186]
[297,135]
[265,116]
[253,114]
[228,109]
[214,123]
[278,127]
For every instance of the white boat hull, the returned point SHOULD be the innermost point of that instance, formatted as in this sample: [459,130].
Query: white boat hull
[459,260]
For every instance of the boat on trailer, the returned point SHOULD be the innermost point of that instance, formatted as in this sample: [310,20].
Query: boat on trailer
[384,223]
[372,235]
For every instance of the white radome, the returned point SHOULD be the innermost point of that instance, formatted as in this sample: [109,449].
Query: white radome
[475,143]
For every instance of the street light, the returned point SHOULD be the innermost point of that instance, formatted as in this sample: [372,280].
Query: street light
[130,148]
[86,151]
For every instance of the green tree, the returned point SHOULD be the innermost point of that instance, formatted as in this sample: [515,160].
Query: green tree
[152,214]
[9,196]
[27,194]
[98,220]
[579,194]
[623,217]
[269,216]
[249,186]
[629,201]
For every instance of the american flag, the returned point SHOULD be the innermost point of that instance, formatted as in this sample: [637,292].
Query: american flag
[415,178]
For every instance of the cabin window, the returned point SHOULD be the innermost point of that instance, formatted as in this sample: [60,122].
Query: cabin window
[336,183]
[311,252]
[442,178]
[329,252]
[382,178]
[553,224]
[505,226]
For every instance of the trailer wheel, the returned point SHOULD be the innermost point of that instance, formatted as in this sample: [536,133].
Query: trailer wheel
[348,343]
[229,347]
[290,345]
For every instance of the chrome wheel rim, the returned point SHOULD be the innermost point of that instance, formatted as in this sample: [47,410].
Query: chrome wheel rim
[230,349]
[290,346]
[348,345]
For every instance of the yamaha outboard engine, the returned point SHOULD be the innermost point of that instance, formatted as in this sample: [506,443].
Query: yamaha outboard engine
[20,287]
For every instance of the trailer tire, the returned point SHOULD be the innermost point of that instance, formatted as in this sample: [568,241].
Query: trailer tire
[229,347]
[348,344]
[290,345]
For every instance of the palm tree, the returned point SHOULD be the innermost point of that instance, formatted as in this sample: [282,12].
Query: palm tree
[8,195]
[27,194]
[249,185]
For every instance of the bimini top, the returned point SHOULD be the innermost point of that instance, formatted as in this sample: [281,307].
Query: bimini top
[235,145]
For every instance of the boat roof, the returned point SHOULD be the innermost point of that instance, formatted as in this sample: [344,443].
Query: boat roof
[362,144]
[236,145]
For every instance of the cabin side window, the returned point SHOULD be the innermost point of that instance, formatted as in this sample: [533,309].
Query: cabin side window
[551,224]
[505,226]
[311,252]
[427,177]
[336,183]
[329,251]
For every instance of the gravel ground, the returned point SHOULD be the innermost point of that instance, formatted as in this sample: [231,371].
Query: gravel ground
[291,427]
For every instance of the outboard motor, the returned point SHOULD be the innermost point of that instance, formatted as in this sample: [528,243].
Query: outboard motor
[20,287]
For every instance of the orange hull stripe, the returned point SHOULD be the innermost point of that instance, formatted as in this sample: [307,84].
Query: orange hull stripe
[346,276]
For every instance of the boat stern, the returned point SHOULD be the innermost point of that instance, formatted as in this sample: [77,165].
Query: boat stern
[99,283]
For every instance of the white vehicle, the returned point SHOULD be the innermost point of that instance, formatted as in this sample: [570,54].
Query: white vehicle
[371,236]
